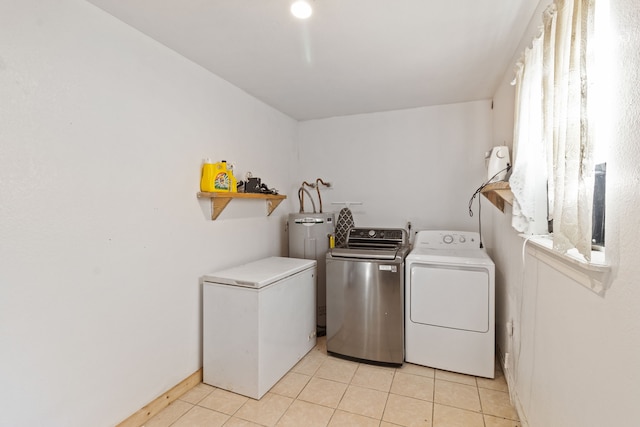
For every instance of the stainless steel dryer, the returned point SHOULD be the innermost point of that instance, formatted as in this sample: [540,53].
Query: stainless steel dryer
[365,296]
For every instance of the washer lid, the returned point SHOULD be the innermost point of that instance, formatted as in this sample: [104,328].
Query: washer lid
[374,254]
[258,274]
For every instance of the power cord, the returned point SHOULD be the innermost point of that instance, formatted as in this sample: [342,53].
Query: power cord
[478,191]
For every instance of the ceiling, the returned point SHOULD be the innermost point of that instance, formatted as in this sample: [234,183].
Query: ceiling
[349,57]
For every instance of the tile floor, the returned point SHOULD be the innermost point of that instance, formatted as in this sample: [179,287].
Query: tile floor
[323,390]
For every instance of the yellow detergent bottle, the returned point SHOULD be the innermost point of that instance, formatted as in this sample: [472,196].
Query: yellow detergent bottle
[208,176]
[224,180]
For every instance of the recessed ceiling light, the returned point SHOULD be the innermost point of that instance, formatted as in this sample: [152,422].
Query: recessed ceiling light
[301,9]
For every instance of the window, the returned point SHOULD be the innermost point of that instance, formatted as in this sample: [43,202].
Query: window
[554,176]
[598,208]
[599,190]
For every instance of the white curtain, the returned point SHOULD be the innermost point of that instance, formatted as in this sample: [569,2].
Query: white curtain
[572,131]
[552,110]
[529,179]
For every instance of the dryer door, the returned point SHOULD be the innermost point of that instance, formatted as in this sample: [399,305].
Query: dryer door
[454,297]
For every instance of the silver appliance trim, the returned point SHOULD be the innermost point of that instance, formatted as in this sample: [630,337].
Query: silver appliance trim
[309,220]
[364,253]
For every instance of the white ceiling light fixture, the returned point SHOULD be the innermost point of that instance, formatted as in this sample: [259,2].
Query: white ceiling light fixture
[301,9]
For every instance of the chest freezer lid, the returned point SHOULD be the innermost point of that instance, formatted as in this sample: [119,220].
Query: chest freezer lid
[258,274]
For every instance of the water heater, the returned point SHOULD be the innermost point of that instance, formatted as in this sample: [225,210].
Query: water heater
[309,239]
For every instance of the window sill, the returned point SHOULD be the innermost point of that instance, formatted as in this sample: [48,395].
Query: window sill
[593,275]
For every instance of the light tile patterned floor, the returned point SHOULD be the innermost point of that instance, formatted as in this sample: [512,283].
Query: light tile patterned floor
[326,391]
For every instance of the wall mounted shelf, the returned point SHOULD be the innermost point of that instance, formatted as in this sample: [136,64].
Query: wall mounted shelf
[219,201]
[498,193]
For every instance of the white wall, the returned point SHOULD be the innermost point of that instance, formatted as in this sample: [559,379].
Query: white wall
[575,354]
[420,165]
[102,239]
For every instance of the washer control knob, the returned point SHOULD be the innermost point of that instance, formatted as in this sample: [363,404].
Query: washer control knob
[462,239]
[448,238]
[372,233]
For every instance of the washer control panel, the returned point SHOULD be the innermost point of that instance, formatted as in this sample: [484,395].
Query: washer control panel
[383,237]
[376,233]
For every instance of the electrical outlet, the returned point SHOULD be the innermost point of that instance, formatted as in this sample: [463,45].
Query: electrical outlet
[507,359]
[510,328]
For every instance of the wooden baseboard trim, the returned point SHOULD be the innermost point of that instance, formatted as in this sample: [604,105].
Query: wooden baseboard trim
[162,401]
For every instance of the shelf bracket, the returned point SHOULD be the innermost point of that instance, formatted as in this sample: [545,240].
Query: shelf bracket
[498,193]
[272,204]
[217,206]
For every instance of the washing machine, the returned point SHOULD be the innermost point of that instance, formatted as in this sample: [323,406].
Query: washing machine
[365,296]
[450,303]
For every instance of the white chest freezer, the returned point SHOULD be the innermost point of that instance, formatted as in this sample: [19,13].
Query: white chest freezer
[258,322]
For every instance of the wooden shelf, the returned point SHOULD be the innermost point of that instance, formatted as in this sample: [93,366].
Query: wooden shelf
[219,201]
[498,193]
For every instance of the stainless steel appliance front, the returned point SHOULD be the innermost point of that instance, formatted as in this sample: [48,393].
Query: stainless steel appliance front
[365,303]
